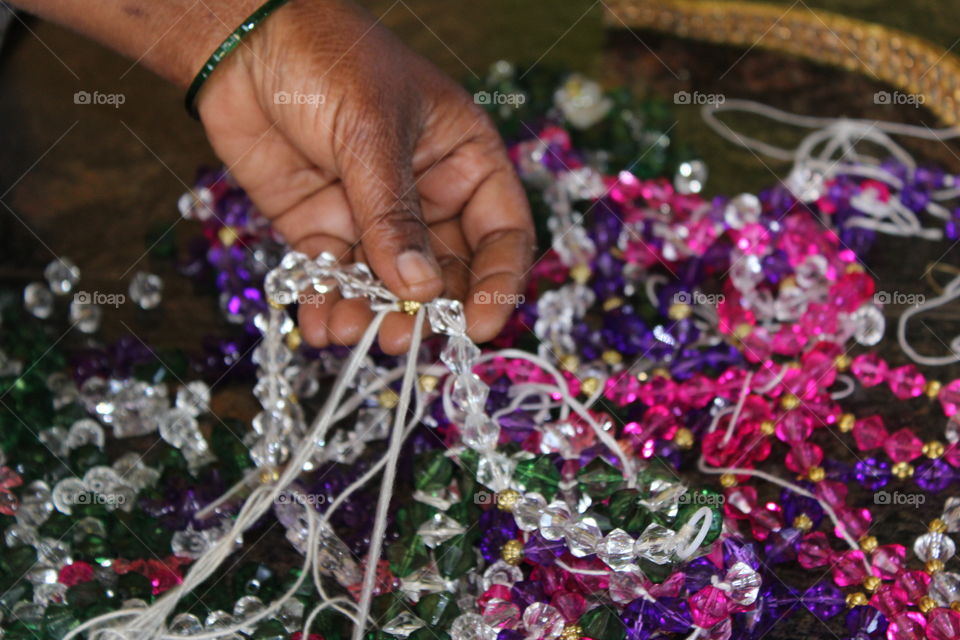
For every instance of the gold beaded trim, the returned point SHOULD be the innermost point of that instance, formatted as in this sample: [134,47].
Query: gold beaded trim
[906,62]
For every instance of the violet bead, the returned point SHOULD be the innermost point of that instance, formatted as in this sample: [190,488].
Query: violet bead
[824,600]
[872,473]
[866,622]
[934,475]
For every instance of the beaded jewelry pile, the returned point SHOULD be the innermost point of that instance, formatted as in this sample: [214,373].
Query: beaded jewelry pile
[662,443]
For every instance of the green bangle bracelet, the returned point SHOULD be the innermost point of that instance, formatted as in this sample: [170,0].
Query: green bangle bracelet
[224,50]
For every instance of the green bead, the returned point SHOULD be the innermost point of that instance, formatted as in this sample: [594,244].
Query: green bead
[406,555]
[627,513]
[438,609]
[387,606]
[599,479]
[602,623]
[538,474]
[455,557]
[134,585]
[694,501]
[58,619]
[657,573]
[270,630]
[19,560]
[433,471]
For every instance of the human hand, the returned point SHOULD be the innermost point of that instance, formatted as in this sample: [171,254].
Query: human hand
[353,144]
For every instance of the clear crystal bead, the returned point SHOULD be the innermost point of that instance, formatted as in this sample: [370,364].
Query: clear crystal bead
[194,397]
[470,626]
[404,624]
[616,550]
[479,432]
[290,614]
[495,470]
[41,574]
[36,504]
[439,528]
[146,290]
[690,177]
[501,573]
[85,431]
[527,511]
[554,520]
[18,534]
[247,606]
[951,514]
[742,210]
[55,440]
[582,537]
[185,624]
[656,544]
[460,355]
[500,614]
[446,317]
[178,427]
[542,621]
[9,367]
[470,393]
[217,620]
[38,300]
[945,588]
[62,275]
[934,546]
[68,493]
[744,583]
[53,552]
[869,325]
[49,593]
[85,316]
[101,479]
[28,612]
[626,586]
[190,543]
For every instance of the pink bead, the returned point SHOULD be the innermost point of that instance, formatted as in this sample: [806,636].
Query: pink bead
[739,501]
[709,606]
[888,560]
[820,363]
[819,320]
[570,605]
[913,585]
[499,591]
[794,427]
[621,389]
[658,390]
[907,626]
[943,624]
[855,522]
[832,492]
[869,433]
[903,446]
[890,599]
[952,455]
[696,392]
[869,369]
[802,456]
[852,290]
[74,574]
[906,382]
[950,397]
[789,340]
[849,568]
[814,551]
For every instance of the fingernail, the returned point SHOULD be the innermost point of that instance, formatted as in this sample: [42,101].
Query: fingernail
[415,268]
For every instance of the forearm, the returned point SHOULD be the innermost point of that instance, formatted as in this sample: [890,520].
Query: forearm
[171,37]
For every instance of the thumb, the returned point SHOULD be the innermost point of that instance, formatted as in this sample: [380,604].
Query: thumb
[380,187]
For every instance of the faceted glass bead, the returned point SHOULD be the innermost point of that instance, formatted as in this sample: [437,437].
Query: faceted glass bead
[501,573]
[869,325]
[616,550]
[907,626]
[527,511]
[869,369]
[538,474]
[814,551]
[583,537]
[83,432]
[470,393]
[480,432]
[951,514]
[656,544]
[185,624]
[38,300]
[934,546]
[690,177]
[460,355]
[903,446]
[178,427]
[554,520]
[906,382]
[949,397]
[62,275]
[542,621]
[943,624]
[744,583]
[849,568]
[406,623]
[599,478]
[499,613]
[85,316]
[824,600]
[709,606]
[194,397]
[869,433]
[446,316]
[146,290]
[888,560]
[945,588]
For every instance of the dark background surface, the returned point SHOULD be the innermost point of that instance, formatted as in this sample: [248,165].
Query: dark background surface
[91,182]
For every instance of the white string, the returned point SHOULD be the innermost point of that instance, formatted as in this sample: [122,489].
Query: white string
[951,292]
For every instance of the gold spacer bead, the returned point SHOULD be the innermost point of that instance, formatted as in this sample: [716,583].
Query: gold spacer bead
[789,401]
[856,599]
[590,386]
[512,552]
[842,362]
[768,427]
[854,267]
[788,283]
[612,357]
[926,603]
[275,305]
[388,398]
[933,449]
[955,605]
[683,438]
[934,566]
[507,499]
[294,339]
[228,235]
[569,363]
[902,470]
[872,583]
[937,526]
[428,382]
[580,273]
[660,372]
[410,307]
[612,303]
[571,631]
[803,522]
[728,480]
[817,474]
[846,422]
[741,331]
[679,311]
[932,389]
[269,475]
[868,543]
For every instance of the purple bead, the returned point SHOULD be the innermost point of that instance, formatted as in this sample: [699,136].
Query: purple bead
[498,527]
[934,475]
[824,600]
[735,551]
[670,614]
[636,619]
[866,622]
[872,473]
[781,546]
[794,505]
[914,198]
[542,551]
[510,634]
[526,592]
[697,574]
